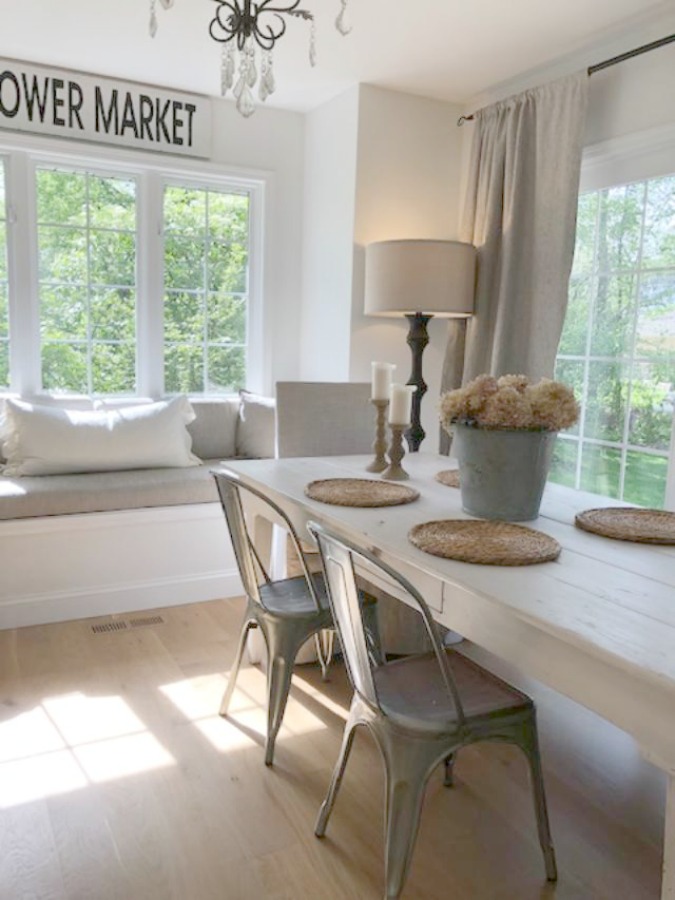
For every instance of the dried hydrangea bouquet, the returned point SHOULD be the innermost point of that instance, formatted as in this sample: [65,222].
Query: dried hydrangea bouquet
[504,430]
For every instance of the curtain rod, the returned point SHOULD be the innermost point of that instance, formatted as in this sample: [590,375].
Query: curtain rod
[622,57]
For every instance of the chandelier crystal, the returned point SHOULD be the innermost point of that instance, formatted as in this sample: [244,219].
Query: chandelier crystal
[248,32]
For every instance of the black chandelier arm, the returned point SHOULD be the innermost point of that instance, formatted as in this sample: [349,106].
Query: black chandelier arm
[231,22]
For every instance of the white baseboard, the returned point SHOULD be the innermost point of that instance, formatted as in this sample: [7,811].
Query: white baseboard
[68,567]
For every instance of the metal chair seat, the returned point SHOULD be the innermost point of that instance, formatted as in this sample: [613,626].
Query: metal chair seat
[412,693]
[291,597]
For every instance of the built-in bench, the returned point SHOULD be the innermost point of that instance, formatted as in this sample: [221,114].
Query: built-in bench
[100,543]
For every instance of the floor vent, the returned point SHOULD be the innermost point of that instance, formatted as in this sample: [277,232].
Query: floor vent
[148,620]
[107,627]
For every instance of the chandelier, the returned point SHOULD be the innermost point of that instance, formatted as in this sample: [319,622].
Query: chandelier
[248,32]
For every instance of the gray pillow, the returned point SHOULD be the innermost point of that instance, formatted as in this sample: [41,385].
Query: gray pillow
[214,429]
[256,426]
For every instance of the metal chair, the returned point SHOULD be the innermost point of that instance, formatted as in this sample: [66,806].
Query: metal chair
[420,710]
[288,612]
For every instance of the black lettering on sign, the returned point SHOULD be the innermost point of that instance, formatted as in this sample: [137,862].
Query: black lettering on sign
[191,109]
[129,117]
[6,110]
[161,122]
[75,101]
[112,116]
[57,100]
[177,123]
[33,97]
[146,117]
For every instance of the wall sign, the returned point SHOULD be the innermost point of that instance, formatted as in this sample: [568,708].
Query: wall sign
[91,108]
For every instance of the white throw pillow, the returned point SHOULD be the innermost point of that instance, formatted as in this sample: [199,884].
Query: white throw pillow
[256,437]
[42,440]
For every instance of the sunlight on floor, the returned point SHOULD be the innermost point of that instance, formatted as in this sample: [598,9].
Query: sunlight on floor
[70,742]
[199,700]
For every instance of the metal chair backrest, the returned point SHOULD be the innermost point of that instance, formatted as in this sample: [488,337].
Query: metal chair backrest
[321,418]
[338,556]
[251,567]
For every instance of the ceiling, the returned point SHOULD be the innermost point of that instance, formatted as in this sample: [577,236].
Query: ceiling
[446,49]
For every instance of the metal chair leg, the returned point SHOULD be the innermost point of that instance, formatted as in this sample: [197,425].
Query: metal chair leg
[325,642]
[408,767]
[531,750]
[336,780]
[282,649]
[236,665]
[449,776]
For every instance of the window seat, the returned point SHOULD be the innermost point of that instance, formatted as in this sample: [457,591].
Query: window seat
[95,544]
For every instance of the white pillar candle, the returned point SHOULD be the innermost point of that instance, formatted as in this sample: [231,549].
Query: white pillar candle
[381,383]
[400,403]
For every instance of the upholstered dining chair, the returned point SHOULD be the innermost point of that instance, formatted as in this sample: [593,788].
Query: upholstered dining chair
[419,709]
[288,612]
[324,418]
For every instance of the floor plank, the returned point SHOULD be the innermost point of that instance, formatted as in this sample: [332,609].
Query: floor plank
[119,780]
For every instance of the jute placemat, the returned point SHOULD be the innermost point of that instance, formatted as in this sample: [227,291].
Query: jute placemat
[360,492]
[485,542]
[643,526]
[449,477]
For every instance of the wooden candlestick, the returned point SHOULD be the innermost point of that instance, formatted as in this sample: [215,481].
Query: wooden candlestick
[379,464]
[395,471]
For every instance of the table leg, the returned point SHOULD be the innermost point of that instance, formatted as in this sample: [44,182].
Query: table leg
[668,884]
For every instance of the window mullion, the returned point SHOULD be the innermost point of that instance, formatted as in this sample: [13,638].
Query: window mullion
[150,286]
[22,276]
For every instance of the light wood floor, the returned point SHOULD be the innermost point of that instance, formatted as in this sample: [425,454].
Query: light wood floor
[118,780]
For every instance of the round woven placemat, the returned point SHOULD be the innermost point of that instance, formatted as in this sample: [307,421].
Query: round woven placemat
[448,477]
[643,526]
[485,542]
[360,492]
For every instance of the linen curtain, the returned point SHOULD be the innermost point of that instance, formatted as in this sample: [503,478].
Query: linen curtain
[520,213]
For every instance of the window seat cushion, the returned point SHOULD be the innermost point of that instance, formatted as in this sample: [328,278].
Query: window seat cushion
[58,495]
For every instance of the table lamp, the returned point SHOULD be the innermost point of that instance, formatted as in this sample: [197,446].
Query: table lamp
[419,279]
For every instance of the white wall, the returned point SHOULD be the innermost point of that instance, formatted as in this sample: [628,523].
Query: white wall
[407,186]
[329,195]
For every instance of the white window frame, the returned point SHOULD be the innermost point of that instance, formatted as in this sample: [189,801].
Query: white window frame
[634,157]
[24,154]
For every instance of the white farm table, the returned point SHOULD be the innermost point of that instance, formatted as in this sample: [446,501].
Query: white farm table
[597,625]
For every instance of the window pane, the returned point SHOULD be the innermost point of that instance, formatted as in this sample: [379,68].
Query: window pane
[619,227]
[600,470]
[113,368]
[651,406]
[63,313]
[227,318]
[615,308]
[61,197]
[3,244]
[607,401]
[63,254]
[65,367]
[112,203]
[184,261]
[646,479]
[185,210]
[184,317]
[227,368]
[113,315]
[206,281]
[184,369]
[564,465]
[659,244]
[87,273]
[4,363]
[575,333]
[624,287]
[112,257]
